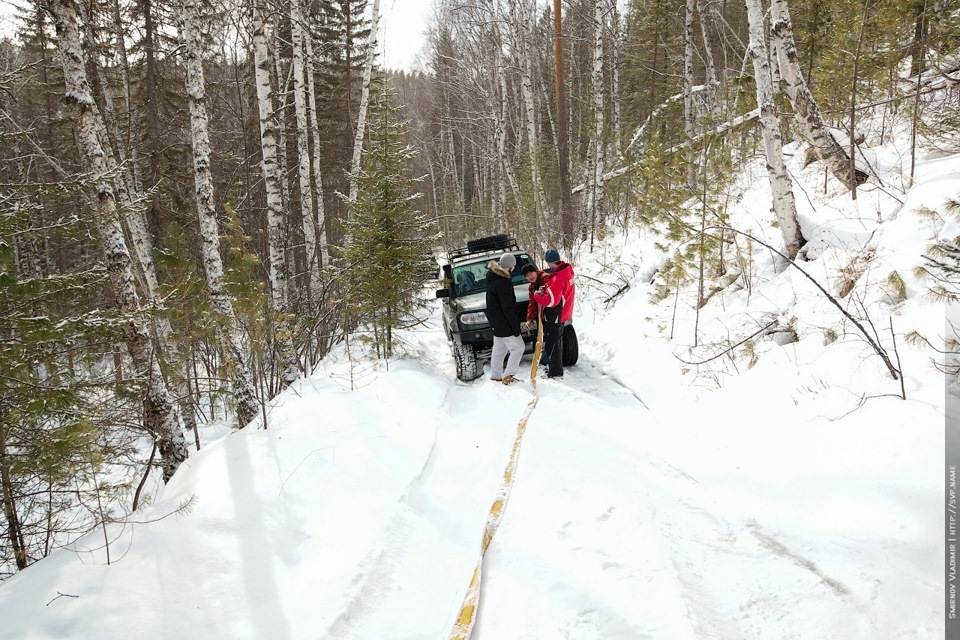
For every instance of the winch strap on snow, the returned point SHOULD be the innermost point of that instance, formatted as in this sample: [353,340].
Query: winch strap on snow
[463,626]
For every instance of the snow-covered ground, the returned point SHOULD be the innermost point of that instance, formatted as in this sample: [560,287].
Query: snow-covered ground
[778,491]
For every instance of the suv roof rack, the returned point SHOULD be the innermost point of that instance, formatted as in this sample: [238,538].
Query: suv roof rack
[499,242]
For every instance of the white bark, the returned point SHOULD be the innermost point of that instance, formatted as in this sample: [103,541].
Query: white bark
[710,68]
[276,232]
[598,105]
[303,150]
[317,173]
[372,44]
[284,92]
[688,79]
[523,30]
[806,111]
[784,205]
[615,45]
[161,418]
[247,405]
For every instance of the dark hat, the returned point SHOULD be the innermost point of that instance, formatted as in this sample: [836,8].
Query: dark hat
[528,268]
[552,255]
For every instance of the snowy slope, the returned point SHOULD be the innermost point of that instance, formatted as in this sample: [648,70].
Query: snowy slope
[782,493]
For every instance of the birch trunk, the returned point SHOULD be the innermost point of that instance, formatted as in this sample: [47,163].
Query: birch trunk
[230,338]
[14,528]
[525,36]
[130,201]
[161,418]
[567,218]
[710,68]
[282,119]
[615,79]
[781,186]
[317,174]
[500,116]
[806,111]
[276,232]
[372,43]
[303,150]
[688,81]
[598,104]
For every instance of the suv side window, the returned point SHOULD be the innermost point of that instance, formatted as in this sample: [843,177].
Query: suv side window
[517,276]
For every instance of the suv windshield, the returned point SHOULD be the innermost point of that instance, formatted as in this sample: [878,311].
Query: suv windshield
[472,278]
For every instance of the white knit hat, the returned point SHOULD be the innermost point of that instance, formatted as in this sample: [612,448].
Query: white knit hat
[508,261]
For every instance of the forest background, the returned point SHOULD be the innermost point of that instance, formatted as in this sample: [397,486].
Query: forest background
[199,199]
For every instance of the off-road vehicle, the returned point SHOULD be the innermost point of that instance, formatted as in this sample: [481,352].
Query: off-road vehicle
[465,300]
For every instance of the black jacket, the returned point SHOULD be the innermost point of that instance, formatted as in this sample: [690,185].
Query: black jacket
[501,302]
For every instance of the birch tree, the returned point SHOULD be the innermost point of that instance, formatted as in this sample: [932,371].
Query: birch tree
[567,219]
[276,232]
[317,172]
[160,416]
[781,187]
[372,43]
[689,114]
[303,149]
[247,406]
[806,112]
[598,107]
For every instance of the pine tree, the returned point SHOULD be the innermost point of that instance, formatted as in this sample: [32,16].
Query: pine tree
[389,240]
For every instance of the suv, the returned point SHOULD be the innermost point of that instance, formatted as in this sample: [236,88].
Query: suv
[465,301]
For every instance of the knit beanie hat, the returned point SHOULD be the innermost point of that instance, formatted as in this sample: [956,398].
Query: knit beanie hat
[529,268]
[552,255]
[508,261]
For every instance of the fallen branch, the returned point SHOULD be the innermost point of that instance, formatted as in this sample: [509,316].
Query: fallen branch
[731,348]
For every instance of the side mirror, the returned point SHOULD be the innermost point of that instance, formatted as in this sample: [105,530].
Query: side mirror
[443,293]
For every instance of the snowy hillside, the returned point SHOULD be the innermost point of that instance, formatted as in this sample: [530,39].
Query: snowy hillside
[781,490]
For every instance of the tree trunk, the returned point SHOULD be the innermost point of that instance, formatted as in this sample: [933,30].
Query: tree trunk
[688,81]
[568,222]
[322,239]
[276,231]
[14,530]
[372,41]
[303,150]
[598,106]
[806,111]
[161,418]
[153,117]
[133,216]
[247,405]
[784,205]
[523,34]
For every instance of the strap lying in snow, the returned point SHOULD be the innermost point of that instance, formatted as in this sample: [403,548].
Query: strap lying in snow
[463,627]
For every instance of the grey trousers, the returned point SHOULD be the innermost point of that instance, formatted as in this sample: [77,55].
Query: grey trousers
[501,346]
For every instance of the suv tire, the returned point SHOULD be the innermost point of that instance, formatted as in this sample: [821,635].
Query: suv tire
[571,348]
[466,360]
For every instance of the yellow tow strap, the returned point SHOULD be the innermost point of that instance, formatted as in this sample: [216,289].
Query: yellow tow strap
[463,626]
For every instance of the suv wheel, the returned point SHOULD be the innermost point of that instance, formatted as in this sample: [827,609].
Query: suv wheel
[571,348]
[466,362]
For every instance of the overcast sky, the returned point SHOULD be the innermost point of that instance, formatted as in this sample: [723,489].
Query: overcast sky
[403,25]
[404,22]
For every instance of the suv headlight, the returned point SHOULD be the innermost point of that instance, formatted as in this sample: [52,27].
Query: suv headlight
[474,318]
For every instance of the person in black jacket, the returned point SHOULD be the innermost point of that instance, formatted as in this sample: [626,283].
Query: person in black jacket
[503,318]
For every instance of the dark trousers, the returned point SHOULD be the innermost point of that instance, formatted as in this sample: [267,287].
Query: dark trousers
[553,347]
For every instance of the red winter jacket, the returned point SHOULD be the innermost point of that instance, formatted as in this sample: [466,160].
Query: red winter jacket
[560,287]
[532,307]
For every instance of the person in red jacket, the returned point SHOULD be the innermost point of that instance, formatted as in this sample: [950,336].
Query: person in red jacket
[556,297]
[537,279]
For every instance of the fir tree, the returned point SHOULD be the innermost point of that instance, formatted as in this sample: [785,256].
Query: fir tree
[389,240]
